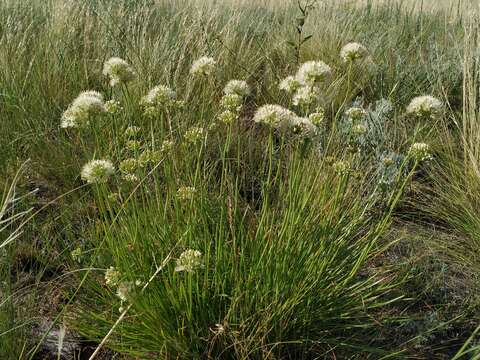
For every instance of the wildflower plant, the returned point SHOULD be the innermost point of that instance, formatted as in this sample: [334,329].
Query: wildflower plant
[97,171]
[237,87]
[88,106]
[420,152]
[118,71]
[189,261]
[205,66]
[427,107]
[353,52]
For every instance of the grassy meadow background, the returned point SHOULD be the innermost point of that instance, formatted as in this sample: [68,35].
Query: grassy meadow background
[343,246]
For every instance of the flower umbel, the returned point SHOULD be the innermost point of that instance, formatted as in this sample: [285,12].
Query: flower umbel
[189,261]
[112,276]
[305,96]
[317,117]
[290,84]
[87,106]
[203,67]
[194,134]
[274,115]
[314,73]
[303,128]
[239,87]
[97,171]
[353,52]
[340,167]
[425,106]
[420,151]
[232,102]
[119,71]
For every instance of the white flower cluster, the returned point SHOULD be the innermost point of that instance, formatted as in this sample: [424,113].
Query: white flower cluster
[306,95]
[317,117]
[87,106]
[189,261]
[119,71]
[237,87]
[112,276]
[204,66]
[313,73]
[285,121]
[97,171]
[303,128]
[353,52]
[425,107]
[420,151]
[113,106]
[124,290]
[159,98]
[128,166]
[195,134]
[290,84]
[307,83]
[235,91]
[167,146]
[275,116]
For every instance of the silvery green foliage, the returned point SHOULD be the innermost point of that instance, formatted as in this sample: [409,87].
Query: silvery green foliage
[374,143]
[388,170]
[374,140]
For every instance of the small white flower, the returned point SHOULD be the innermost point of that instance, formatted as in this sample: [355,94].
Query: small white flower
[238,87]
[118,70]
[189,261]
[227,117]
[274,115]
[97,171]
[353,51]
[420,151]
[204,66]
[232,102]
[112,276]
[303,128]
[128,166]
[305,96]
[425,106]
[91,93]
[159,96]
[314,73]
[290,84]
[88,105]
[113,106]
[317,117]
[195,134]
